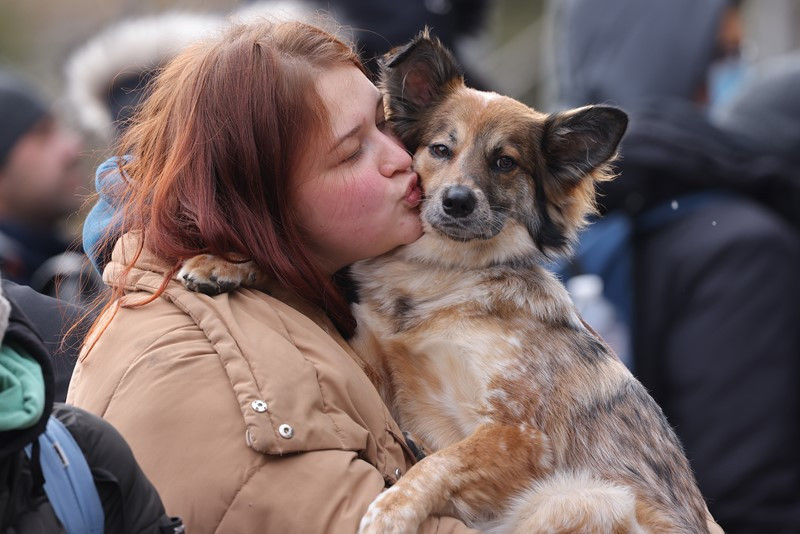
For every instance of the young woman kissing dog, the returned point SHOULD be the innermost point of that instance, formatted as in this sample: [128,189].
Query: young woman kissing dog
[248,411]
[536,426]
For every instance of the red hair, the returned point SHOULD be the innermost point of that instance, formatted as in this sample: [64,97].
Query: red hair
[214,148]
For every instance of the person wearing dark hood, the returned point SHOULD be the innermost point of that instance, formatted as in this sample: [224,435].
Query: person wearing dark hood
[61,326]
[126,501]
[764,112]
[380,25]
[714,246]
[39,180]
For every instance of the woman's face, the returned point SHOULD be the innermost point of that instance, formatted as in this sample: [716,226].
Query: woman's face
[356,194]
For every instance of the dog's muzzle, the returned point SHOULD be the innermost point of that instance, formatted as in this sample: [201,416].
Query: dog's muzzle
[462,213]
[458,201]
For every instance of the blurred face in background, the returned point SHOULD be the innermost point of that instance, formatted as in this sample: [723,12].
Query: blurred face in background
[42,178]
[728,69]
[731,32]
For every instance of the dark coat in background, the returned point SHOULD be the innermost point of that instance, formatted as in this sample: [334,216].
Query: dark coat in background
[715,288]
[130,502]
[380,25]
[52,319]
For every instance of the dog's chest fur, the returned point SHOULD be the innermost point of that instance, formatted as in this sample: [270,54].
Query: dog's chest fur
[458,346]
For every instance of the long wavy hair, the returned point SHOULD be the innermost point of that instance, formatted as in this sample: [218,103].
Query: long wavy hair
[214,149]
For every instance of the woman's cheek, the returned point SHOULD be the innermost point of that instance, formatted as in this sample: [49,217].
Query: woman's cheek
[361,200]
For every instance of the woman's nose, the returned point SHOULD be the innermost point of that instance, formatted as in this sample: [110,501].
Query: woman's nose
[395,157]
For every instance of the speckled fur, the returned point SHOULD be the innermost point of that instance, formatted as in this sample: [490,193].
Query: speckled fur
[536,426]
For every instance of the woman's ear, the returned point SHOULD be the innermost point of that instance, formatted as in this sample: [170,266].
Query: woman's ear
[578,141]
[413,77]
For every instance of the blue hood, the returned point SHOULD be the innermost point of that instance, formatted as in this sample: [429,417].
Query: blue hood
[624,51]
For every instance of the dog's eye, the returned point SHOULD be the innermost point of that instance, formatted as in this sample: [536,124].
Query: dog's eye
[440,151]
[505,163]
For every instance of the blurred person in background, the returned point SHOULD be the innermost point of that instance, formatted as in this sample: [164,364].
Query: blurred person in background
[40,185]
[40,181]
[105,77]
[97,486]
[380,25]
[764,114]
[715,258]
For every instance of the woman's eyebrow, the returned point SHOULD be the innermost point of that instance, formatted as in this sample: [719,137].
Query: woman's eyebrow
[357,127]
[346,136]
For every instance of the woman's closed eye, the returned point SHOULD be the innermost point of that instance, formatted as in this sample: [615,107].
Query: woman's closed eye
[353,156]
[381,125]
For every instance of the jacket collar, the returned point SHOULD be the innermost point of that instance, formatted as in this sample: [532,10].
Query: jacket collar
[148,272]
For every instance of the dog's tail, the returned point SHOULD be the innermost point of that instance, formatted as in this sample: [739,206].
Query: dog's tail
[572,502]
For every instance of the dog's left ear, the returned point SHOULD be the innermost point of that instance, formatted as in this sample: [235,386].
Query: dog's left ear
[578,141]
[414,77]
[577,146]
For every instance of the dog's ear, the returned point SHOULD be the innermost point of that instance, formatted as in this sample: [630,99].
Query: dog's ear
[578,147]
[413,78]
[578,141]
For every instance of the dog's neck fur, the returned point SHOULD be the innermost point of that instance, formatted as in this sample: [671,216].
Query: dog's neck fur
[512,246]
[508,265]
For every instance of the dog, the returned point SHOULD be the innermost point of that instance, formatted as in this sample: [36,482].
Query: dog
[535,424]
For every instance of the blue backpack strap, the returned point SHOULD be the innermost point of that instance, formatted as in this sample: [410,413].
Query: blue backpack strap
[68,481]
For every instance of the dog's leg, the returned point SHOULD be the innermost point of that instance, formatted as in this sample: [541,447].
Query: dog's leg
[213,275]
[482,472]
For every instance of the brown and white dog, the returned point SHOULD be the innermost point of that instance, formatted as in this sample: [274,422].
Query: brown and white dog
[535,423]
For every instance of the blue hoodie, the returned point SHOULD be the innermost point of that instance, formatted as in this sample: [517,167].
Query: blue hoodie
[104,219]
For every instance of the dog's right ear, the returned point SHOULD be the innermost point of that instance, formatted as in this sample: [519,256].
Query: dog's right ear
[414,77]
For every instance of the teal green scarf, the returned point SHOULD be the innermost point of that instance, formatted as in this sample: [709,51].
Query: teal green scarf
[21,390]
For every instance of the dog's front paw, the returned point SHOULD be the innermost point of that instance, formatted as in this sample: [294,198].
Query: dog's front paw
[390,513]
[213,275]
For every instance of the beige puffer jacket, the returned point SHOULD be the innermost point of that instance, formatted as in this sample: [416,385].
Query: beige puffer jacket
[247,411]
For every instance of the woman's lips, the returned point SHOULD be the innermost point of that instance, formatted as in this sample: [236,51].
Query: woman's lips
[414,193]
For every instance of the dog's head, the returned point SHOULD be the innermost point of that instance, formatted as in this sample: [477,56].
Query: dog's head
[489,164]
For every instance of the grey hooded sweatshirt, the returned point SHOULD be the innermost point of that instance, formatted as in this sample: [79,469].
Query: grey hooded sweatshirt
[652,58]
[716,306]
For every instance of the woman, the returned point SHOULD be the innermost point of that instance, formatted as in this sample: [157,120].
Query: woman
[248,410]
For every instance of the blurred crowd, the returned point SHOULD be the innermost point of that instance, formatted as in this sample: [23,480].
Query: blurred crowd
[698,241]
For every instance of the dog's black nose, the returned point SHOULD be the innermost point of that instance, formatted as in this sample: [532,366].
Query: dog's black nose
[458,201]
